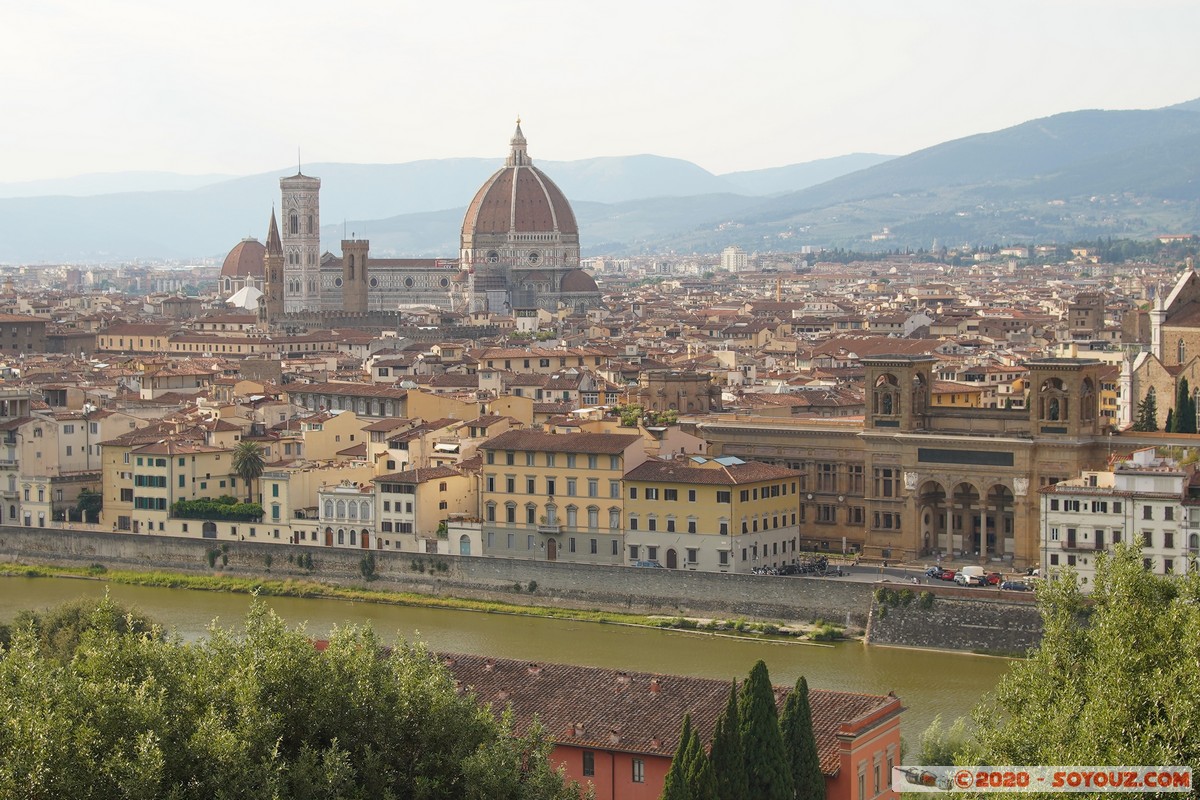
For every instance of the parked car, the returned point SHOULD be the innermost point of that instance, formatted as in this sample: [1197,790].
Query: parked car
[945,575]
[1016,586]
[970,576]
[933,572]
[648,564]
[994,579]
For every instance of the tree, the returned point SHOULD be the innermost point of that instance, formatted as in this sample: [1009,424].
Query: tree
[701,779]
[1185,409]
[1147,413]
[1170,426]
[254,713]
[941,747]
[89,505]
[800,742]
[249,464]
[728,761]
[767,773]
[675,785]
[1112,680]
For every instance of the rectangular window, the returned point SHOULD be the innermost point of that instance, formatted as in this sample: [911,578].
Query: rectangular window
[531,486]
[651,493]
[593,487]
[1147,512]
[633,552]
[693,554]
[614,462]
[639,771]
[691,495]
[570,487]
[571,544]
[1148,538]
[589,763]
[724,497]
[529,459]
[549,459]
[614,489]
[511,541]
[670,494]
[1168,512]
[723,558]
[1168,541]
[510,484]
[616,547]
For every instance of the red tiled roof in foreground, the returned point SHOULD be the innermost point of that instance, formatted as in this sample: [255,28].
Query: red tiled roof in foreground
[640,712]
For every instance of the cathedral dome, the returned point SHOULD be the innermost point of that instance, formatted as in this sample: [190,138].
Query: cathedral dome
[245,260]
[578,281]
[519,198]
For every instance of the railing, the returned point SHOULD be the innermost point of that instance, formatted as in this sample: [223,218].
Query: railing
[549,528]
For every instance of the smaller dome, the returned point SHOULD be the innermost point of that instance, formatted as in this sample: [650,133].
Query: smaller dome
[245,259]
[578,281]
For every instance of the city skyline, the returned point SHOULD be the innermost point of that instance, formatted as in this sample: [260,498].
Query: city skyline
[237,89]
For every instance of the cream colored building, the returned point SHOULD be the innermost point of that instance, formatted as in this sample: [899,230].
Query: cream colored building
[556,497]
[714,515]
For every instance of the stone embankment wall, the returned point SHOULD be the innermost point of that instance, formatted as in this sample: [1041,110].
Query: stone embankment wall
[979,620]
[637,590]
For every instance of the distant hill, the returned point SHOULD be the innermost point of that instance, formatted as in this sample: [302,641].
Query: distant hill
[1075,175]
[109,183]
[778,180]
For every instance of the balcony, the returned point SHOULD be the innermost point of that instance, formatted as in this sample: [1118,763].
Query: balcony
[553,529]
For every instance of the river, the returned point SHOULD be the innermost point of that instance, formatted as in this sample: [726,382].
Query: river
[929,683]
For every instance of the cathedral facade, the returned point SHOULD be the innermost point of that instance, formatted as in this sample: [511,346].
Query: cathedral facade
[519,253]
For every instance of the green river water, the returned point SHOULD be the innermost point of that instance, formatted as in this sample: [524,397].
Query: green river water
[929,683]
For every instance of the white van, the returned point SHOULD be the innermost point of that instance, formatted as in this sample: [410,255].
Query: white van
[970,576]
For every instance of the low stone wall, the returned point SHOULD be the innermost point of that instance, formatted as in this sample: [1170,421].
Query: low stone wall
[638,590]
[972,620]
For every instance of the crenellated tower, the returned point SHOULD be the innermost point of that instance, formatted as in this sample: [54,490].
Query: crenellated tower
[354,274]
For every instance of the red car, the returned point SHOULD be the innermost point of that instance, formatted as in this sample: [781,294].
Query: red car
[993,578]
[947,575]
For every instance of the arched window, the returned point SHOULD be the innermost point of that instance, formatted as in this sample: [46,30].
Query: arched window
[464,545]
[1181,349]
[353,510]
[1053,405]
[341,509]
[341,535]
[593,517]
[1087,400]
[294,223]
[353,536]
[364,510]
[886,396]
[328,508]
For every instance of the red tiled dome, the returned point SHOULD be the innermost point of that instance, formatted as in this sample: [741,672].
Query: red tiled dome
[244,260]
[578,281]
[521,198]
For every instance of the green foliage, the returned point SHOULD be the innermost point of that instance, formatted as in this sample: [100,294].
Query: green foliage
[941,747]
[1170,426]
[249,464]
[255,714]
[60,630]
[767,772]
[675,785]
[800,744]
[308,562]
[268,560]
[532,586]
[1185,409]
[1116,690]
[366,566]
[825,632]
[1147,413]
[906,596]
[89,505]
[206,508]
[888,597]
[926,600]
[212,556]
[728,761]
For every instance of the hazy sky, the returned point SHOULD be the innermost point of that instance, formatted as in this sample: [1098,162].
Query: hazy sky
[236,87]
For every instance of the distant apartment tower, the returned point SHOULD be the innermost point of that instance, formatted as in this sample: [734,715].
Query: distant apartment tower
[734,259]
[301,242]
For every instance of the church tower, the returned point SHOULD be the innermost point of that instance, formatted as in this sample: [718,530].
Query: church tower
[301,242]
[354,274]
[270,310]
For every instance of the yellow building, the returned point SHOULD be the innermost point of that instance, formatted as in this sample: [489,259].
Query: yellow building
[715,515]
[556,497]
[412,504]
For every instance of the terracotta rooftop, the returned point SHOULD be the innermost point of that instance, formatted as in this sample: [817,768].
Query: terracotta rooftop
[611,443]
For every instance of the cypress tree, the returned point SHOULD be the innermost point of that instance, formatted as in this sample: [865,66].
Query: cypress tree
[1147,413]
[801,743]
[767,771]
[699,771]
[1185,416]
[1170,427]
[726,756]
[675,786]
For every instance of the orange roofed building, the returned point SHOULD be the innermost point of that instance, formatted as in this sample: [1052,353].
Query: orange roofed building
[619,730]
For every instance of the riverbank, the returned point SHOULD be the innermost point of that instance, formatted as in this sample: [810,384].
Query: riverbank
[307,588]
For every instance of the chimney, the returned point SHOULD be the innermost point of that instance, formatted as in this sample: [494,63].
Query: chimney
[613,736]
[655,686]
[623,678]
[577,729]
[489,665]
[535,669]
[655,743]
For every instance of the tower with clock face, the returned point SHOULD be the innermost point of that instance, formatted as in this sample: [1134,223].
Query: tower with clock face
[301,235]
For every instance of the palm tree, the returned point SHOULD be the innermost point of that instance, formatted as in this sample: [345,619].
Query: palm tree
[248,463]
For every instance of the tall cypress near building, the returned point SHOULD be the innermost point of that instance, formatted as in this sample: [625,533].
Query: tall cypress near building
[801,744]
[675,786]
[701,780]
[1185,409]
[767,772]
[728,763]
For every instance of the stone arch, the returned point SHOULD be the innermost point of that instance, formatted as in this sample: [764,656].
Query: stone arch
[464,545]
[920,393]
[1088,400]
[1053,401]
[885,397]
[932,517]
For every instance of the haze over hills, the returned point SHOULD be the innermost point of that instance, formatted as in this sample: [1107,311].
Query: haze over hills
[1070,176]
